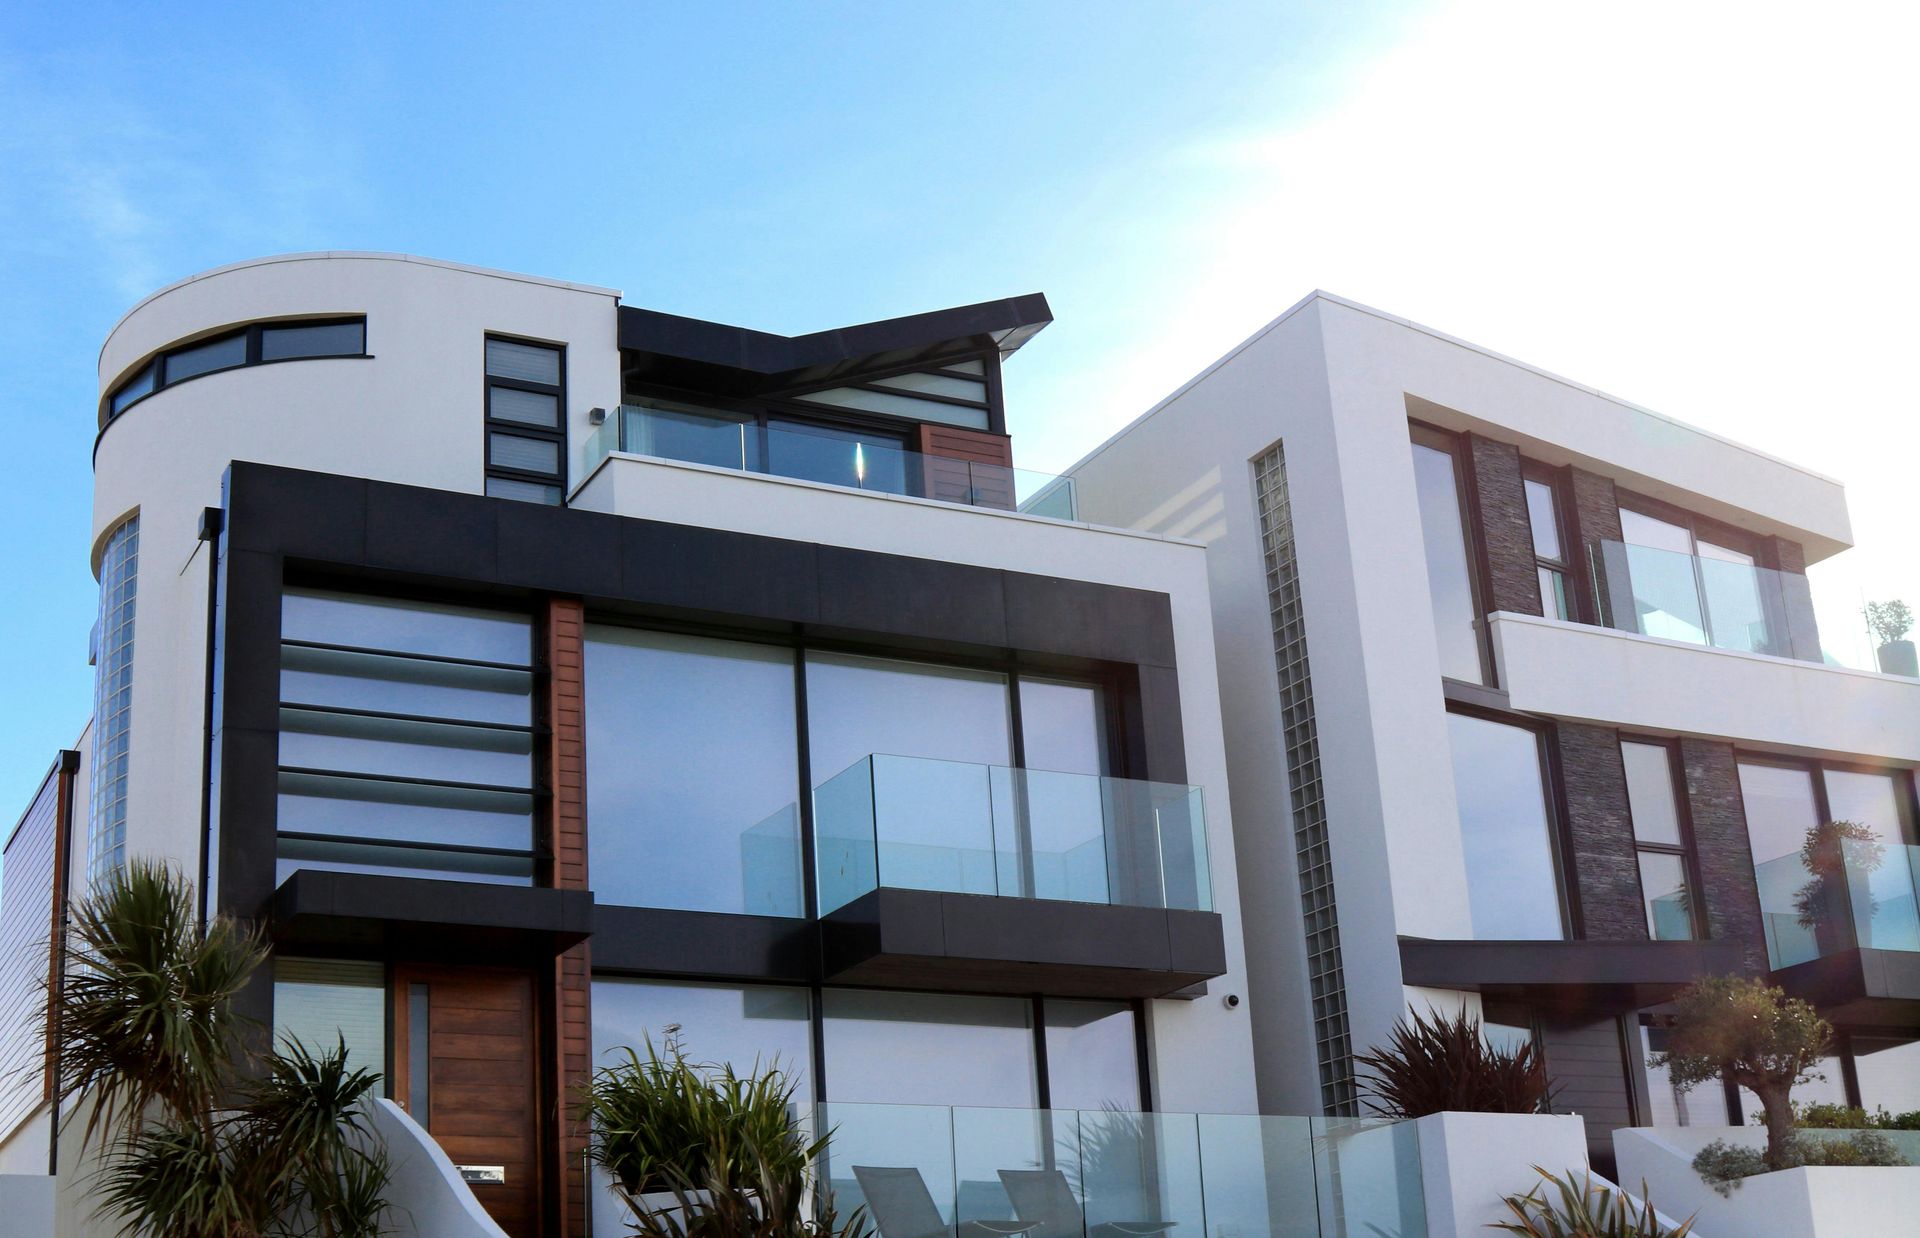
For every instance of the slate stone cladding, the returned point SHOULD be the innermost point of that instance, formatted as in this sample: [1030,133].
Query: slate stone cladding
[1595,517]
[1728,894]
[1506,536]
[1606,873]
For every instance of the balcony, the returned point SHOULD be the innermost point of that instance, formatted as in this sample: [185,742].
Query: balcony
[1846,933]
[986,877]
[1725,603]
[876,464]
[1114,1172]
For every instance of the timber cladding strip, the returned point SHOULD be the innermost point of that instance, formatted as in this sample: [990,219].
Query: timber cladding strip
[573,977]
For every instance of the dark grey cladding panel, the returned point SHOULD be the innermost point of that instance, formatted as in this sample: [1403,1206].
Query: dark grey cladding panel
[249,805]
[556,549]
[1871,988]
[862,590]
[717,572]
[1050,615]
[1195,943]
[1642,966]
[296,513]
[977,926]
[660,942]
[1164,738]
[563,916]
[410,530]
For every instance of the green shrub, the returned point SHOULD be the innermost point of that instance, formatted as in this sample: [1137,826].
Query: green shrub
[1823,1116]
[1860,1148]
[1584,1211]
[1722,1165]
[1908,1121]
[1440,1063]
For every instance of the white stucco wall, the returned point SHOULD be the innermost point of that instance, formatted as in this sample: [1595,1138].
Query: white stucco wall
[412,412]
[1594,674]
[1202,1050]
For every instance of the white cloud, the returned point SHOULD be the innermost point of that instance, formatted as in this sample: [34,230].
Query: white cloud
[1707,209]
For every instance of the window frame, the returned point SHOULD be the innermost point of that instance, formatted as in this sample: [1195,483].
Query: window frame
[1701,528]
[1553,803]
[156,361]
[1687,849]
[491,425]
[1479,585]
[1540,474]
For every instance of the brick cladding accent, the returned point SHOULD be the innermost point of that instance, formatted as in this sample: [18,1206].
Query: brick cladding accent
[1505,533]
[573,973]
[1606,871]
[1594,509]
[1730,899]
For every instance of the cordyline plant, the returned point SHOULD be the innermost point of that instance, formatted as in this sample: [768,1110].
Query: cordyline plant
[1586,1210]
[1738,1028]
[190,1143]
[1440,1063]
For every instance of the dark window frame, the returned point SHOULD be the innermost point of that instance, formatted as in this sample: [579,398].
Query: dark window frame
[1688,848]
[491,425]
[1479,580]
[1553,803]
[1702,528]
[1540,474]
[156,361]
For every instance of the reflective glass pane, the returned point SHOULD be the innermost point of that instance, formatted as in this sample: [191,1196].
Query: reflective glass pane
[692,773]
[753,1028]
[1879,801]
[837,457]
[531,363]
[1553,593]
[534,455]
[323,1002]
[1663,885]
[1063,726]
[1456,620]
[1888,1068]
[431,816]
[879,1045]
[403,748]
[897,1161]
[1544,519]
[337,856]
[404,685]
[522,491]
[140,384]
[724,440]
[1704,1105]
[1093,1055]
[938,384]
[901,405]
[857,706]
[405,626]
[1780,808]
[1637,529]
[1736,612]
[531,408]
[197,359]
[1258,1175]
[1512,886]
[333,339]
[1666,594]
[1650,797]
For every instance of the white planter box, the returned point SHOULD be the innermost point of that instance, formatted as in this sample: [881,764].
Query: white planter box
[1470,1161]
[1792,1203]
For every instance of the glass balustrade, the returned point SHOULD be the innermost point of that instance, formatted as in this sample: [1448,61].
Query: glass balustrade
[919,824]
[859,461]
[1699,599]
[928,1170]
[1866,898]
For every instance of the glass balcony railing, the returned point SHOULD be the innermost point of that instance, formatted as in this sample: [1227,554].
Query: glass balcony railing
[918,824]
[927,1171]
[1705,601]
[822,454]
[1865,898]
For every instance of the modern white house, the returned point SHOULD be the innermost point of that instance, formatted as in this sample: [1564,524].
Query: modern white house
[1526,710]
[548,675]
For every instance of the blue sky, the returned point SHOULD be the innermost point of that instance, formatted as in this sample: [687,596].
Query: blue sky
[1632,211]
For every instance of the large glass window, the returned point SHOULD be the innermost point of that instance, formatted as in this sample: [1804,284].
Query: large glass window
[1513,888]
[862,459]
[930,1049]
[1703,1105]
[1781,807]
[406,738]
[1686,587]
[1883,802]
[692,773]
[1888,1069]
[112,702]
[1655,809]
[322,1002]
[1456,613]
[1549,546]
[1093,1055]
[749,1027]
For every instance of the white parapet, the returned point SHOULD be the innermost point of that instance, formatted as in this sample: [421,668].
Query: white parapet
[1469,1162]
[428,1196]
[26,1203]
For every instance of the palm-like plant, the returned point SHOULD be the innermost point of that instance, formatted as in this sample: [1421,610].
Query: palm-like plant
[1440,1063]
[190,1145]
[1585,1210]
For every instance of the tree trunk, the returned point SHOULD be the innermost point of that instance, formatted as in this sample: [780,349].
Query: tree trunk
[1779,1114]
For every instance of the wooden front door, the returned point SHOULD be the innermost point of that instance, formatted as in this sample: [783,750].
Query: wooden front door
[466,1067]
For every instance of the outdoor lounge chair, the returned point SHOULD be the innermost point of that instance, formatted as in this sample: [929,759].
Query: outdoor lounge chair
[901,1206]
[1043,1196]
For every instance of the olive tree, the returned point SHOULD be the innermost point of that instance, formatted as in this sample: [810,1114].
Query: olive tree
[1738,1028]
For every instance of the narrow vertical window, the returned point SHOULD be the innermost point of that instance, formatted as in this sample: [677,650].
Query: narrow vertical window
[526,432]
[1659,839]
[112,703]
[1549,546]
[1457,617]
[420,1052]
[1506,830]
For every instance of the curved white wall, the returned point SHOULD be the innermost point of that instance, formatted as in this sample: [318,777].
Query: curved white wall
[411,412]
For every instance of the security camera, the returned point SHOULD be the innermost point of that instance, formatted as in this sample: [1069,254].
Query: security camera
[1232,1000]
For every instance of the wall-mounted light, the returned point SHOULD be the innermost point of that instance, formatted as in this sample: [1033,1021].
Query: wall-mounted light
[596,416]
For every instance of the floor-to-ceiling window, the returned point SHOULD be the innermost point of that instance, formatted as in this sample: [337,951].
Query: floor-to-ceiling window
[1506,830]
[749,1027]
[112,702]
[1660,840]
[1457,616]
[693,775]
